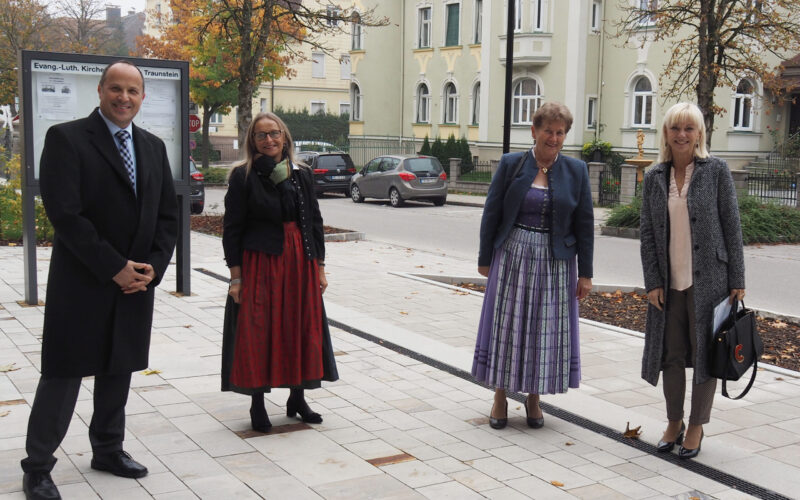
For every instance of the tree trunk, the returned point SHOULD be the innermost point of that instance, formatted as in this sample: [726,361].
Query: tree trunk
[206,146]
[706,76]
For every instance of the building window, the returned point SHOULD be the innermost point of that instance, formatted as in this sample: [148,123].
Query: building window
[596,13]
[450,103]
[424,29]
[263,105]
[525,101]
[451,24]
[356,102]
[356,34]
[423,104]
[476,103]
[216,119]
[318,65]
[647,9]
[317,107]
[517,15]
[643,102]
[333,15]
[538,15]
[344,108]
[743,106]
[478,21]
[591,113]
[344,67]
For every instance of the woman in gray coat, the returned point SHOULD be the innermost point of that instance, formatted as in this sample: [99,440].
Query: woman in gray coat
[691,247]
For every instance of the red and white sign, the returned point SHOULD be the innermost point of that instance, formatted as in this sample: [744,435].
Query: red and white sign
[194,123]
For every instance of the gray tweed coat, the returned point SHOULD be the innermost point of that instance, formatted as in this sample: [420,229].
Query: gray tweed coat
[717,254]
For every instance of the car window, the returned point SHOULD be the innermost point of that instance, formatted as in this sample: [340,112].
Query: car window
[334,161]
[423,165]
[389,164]
[374,165]
[192,167]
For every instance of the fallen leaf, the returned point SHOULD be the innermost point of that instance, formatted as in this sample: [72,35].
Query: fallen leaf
[779,324]
[187,326]
[404,313]
[4,413]
[694,498]
[632,433]
[420,267]
[12,244]
[569,443]
[8,368]
[557,483]
[151,372]
[780,378]
[459,292]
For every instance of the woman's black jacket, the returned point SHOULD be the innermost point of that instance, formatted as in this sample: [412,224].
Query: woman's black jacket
[253,219]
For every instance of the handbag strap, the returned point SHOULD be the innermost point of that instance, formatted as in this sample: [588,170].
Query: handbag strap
[735,308]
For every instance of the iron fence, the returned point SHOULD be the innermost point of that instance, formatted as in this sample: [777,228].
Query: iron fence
[773,186]
[481,171]
[785,157]
[610,186]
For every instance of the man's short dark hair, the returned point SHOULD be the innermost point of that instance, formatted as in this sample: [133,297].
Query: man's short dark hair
[121,61]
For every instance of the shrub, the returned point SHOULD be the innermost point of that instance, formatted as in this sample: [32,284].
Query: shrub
[768,223]
[761,223]
[426,147]
[625,215]
[11,209]
[215,175]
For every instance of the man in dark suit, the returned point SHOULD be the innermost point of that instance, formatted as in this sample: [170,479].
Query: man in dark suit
[107,189]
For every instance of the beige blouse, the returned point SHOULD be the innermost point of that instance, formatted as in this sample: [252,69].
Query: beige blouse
[680,234]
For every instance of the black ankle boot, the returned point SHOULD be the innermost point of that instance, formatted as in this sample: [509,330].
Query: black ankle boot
[296,404]
[258,414]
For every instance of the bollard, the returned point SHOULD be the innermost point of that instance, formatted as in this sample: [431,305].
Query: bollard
[595,168]
[455,171]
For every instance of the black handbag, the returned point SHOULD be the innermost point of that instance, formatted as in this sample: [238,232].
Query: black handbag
[735,347]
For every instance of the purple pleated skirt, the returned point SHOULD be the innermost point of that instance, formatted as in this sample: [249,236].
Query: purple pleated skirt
[528,339]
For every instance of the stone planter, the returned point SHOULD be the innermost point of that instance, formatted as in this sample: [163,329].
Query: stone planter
[621,232]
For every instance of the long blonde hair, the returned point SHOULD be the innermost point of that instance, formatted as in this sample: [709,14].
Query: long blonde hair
[250,149]
[680,113]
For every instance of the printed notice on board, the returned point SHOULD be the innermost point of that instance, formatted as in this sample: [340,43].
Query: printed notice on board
[158,108]
[57,97]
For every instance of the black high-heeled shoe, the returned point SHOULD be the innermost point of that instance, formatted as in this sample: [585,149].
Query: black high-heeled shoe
[667,446]
[686,453]
[296,404]
[533,423]
[498,423]
[259,420]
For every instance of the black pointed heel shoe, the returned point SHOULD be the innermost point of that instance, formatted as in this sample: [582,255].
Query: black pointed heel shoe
[686,453]
[533,423]
[667,446]
[295,406]
[498,423]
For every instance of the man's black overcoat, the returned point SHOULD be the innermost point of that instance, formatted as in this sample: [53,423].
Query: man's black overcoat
[90,326]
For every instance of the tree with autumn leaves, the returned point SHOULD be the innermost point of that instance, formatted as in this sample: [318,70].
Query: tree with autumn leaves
[265,35]
[715,43]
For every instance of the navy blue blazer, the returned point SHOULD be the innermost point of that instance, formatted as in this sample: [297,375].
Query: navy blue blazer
[572,229]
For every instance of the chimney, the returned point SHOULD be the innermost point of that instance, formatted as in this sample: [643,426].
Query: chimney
[113,13]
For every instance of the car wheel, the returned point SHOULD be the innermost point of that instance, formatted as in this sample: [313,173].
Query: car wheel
[439,201]
[394,198]
[355,194]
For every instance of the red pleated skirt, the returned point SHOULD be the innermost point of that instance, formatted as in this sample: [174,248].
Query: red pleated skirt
[279,328]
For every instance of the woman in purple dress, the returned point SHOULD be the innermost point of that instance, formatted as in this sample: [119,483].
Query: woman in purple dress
[537,222]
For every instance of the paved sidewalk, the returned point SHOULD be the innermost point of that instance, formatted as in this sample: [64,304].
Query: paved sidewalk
[404,421]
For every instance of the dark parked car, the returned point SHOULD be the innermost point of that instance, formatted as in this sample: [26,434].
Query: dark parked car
[332,170]
[400,178]
[198,191]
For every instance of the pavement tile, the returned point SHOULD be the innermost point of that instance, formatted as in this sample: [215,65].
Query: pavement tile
[163,482]
[447,464]
[415,474]
[381,486]
[550,471]
[597,492]
[628,487]
[451,490]
[496,468]
[533,487]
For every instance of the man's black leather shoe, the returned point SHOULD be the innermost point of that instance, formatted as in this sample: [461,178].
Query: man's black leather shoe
[39,486]
[120,464]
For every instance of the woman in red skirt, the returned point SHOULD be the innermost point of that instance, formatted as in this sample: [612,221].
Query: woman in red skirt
[276,332]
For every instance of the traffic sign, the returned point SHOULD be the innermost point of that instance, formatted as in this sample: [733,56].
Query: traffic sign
[194,123]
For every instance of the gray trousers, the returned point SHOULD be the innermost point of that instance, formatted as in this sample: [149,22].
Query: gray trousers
[52,411]
[680,350]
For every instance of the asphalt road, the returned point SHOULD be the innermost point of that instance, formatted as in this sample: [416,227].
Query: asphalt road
[772,272]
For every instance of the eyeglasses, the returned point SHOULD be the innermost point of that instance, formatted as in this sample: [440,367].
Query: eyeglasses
[273,134]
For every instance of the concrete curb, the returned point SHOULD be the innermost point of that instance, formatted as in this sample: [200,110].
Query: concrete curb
[448,282]
[351,236]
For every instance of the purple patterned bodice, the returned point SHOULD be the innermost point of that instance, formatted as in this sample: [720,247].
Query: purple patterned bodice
[536,208]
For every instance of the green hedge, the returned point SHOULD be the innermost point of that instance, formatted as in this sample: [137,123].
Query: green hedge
[326,127]
[11,209]
[761,223]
